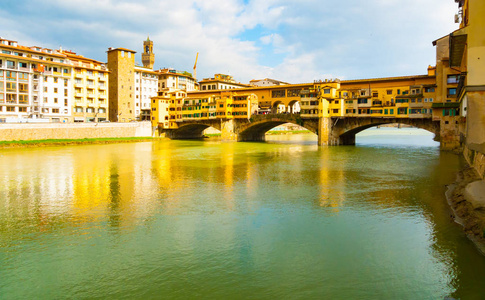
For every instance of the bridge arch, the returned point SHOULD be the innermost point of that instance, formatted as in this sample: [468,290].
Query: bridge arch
[344,131]
[192,130]
[256,128]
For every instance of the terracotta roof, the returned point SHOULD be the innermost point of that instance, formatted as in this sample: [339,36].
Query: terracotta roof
[122,49]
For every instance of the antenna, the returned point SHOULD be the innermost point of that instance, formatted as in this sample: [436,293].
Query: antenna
[195,66]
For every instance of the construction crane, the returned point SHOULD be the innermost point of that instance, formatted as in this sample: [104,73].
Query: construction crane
[195,66]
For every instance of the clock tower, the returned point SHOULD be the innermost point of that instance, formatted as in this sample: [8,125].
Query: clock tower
[147,57]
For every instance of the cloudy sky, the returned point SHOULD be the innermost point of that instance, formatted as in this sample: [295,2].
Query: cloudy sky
[294,41]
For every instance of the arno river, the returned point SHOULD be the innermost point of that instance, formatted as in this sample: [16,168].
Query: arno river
[208,219]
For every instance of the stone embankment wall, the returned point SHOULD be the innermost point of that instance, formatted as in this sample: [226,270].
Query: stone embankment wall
[16,132]
[476,160]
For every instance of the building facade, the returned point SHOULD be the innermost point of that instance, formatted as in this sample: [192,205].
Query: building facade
[220,82]
[35,84]
[121,65]
[90,80]
[466,56]
[146,87]
[176,80]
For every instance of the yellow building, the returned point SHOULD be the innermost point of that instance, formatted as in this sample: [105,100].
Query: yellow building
[121,64]
[167,109]
[467,55]
[90,79]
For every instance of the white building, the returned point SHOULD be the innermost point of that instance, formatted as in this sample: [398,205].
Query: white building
[146,87]
[172,79]
[35,83]
[266,82]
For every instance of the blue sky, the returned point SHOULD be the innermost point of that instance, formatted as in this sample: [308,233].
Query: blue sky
[294,41]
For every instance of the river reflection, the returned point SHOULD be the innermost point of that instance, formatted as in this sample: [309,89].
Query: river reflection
[208,219]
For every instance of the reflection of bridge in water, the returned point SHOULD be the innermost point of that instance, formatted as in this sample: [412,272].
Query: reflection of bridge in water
[330,130]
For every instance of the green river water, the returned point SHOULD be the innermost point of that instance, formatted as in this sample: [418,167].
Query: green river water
[283,219]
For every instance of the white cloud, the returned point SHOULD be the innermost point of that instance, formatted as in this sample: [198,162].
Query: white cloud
[283,39]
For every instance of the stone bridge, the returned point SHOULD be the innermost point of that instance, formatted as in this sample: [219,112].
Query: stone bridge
[331,131]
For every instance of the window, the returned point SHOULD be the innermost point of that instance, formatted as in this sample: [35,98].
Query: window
[22,109]
[23,87]
[10,64]
[11,87]
[452,92]
[78,109]
[89,110]
[11,75]
[55,79]
[23,77]
[102,110]
[45,89]
[55,110]
[22,65]
[389,92]
[326,91]
[65,102]
[375,94]
[453,79]
[429,90]
[278,94]
[55,90]
[11,98]
[55,100]
[11,108]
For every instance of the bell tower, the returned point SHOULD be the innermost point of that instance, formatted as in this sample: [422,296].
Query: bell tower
[148,57]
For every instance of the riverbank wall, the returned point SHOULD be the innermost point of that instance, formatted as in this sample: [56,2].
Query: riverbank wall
[476,160]
[45,131]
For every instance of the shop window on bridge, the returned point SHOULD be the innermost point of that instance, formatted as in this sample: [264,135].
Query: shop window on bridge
[376,111]
[402,111]
[293,93]
[415,111]
[451,112]
[278,94]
